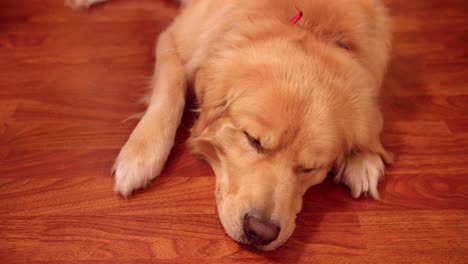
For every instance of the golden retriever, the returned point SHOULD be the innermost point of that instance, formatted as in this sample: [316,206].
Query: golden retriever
[282,103]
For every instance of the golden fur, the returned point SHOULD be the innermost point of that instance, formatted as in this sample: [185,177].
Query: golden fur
[281,104]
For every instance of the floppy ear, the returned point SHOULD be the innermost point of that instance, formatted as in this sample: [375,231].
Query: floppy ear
[204,140]
[214,95]
[208,114]
[202,137]
[204,148]
[214,100]
[215,90]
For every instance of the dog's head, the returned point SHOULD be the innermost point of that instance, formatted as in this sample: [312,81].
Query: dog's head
[274,121]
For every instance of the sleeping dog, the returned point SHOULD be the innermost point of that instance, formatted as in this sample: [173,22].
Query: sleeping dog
[286,94]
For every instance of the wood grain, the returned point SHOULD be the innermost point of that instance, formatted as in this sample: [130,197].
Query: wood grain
[69,79]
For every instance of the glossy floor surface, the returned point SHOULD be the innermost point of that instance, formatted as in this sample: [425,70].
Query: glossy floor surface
[69,79]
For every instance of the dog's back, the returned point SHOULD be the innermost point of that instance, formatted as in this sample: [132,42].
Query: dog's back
[361,27]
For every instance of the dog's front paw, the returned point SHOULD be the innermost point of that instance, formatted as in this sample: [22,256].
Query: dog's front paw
[362,174]
[137,164]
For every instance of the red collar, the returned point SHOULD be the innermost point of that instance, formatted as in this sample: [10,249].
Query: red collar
[297,17]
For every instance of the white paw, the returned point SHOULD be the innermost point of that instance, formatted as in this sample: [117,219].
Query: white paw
[82,3]
[362,174]
[137,164]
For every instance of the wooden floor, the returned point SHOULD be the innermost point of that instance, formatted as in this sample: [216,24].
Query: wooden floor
[69,78]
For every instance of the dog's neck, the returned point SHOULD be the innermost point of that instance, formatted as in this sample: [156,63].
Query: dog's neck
[340,43]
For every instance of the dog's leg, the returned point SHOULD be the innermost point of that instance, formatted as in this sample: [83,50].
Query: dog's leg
[363,168]
[83,3]
[143,156]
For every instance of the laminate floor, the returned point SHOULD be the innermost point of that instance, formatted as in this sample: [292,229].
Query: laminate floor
[69,79]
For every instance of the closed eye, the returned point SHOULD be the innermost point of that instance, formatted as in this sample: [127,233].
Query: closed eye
[308,170]
[254,142]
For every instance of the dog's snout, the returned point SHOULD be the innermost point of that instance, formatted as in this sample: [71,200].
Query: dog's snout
[260,231]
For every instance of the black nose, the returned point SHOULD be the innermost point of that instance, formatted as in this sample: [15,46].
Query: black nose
[260,231]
